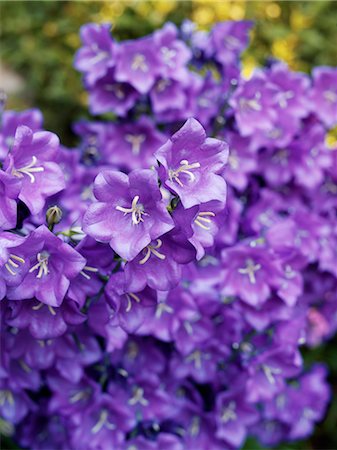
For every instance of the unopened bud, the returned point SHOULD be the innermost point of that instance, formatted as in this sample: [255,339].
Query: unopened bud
[53,215]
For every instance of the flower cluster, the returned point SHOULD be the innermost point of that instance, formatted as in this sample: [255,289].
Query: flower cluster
[159,281]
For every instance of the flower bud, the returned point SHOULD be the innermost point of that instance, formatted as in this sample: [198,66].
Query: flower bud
[53,215]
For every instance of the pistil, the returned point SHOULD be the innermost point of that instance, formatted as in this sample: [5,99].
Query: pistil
[42,265]
[250,270]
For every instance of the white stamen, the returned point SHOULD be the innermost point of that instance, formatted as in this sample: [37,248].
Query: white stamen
[116,89]
[270,372]
[28,170]
[10,262]
[134,297]
[88,269]
[331,96]
[250,270]
[6,396]
[42,265]
[137,211]
[136,141]
[102,421]
[229,413]
[168,55]
[138,397]
[152,249]
[200,220]
[163,307]
[185,168]
[251,103]
[139,63]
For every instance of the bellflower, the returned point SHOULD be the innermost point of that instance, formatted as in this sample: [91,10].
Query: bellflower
[98,52]
[129,213]
[52,264]
[190,164]
[32,161]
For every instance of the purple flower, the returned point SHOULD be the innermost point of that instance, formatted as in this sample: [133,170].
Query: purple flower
[11,120]
[324,95]
[229,39]
[190,164]
[253,104]
[132,145]
[109,95]
[129,213]
[250,273]
[32,161]
[9,192]
[159,263]
[52,264]
[138,64]
[233,416]
[98,53]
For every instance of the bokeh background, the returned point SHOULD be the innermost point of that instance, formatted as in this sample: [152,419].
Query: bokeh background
[39,39]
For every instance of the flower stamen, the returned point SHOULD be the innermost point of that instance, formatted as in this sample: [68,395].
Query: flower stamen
[10,262]
[28,170]
[88,269]
[250,270]
[137,211]
[42,265]
[185,168]
[153,249]
[139,63]
[136,141]
[102,421]
[129,296]
[200,220]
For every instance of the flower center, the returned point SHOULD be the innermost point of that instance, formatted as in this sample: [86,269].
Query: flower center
[168,55]
[136,141]
[270,372]
[202,221]
[129,297]
[6,396]
[88,269]
[247,104]
[331,96]
[250,270]
[42,265]
[137,211]
[161,308]
[229,413]
[11,264]
[39,306]
[162,85]
[233,160]
[232,42]
[28,170]
[185,168]
[139,63]
[102,421]
[138,397]
[152,249]
[116,89]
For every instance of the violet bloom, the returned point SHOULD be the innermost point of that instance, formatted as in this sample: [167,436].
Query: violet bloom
[173,53]
[324,95]
[44,321]
[11,120]
[9,192]
[129,213]
[131,308]
[32,161]
[159,263]
[234,416]
[98,52]
[138,64]
[190,164]
[229,39]
[132,145]
[250,273]
[253,104]
[242,162]
[109,95]
[53,263]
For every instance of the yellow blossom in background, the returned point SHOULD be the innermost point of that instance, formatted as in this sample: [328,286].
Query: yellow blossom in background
[249,64]
[331,138]
[299,21]
[285,49]
[273,10]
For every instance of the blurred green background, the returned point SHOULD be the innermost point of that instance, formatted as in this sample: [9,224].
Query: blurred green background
[39,38]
